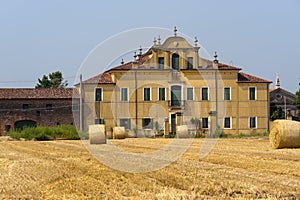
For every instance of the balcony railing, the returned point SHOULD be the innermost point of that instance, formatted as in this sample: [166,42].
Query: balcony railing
[176,103]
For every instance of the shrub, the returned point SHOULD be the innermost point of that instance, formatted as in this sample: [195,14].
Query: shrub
[67,132]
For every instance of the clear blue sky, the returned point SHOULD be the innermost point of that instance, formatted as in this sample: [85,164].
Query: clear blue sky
[38,37]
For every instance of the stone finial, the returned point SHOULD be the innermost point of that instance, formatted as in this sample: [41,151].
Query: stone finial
[175,31]
[216,57]
[196,42]
[134,56]
[141,51]
[154,41]
[277,81]
[158,40]
[122,61]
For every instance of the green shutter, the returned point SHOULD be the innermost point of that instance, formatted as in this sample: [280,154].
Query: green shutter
[162,94]
[146,94]
[226,93]
[161,62]
[204,93]
[98,94]
[252,93]
[190,95]
[124,95]
[190,63]
[227,122]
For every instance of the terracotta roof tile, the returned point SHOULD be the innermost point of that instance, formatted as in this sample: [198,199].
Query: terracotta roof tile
[127,66]
[36,93]
[104,78]
[247,78]
[223,66]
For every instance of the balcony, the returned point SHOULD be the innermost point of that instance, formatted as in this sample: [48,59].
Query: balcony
[176,103]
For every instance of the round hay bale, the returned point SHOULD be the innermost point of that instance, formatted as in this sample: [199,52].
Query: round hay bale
[119,132]
[182,131]
[6,138]
[97,134]
[131,134]
[285,134]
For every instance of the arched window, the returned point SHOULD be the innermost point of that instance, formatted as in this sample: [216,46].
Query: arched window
[175,61]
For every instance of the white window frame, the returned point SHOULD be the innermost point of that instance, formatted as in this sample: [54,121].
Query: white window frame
[122,95]
[165,94]
[255,122]
[230,118]
[129,120]
[229,94]
[207,94]
[254,93]
[182,90]
[150,93]
[101,93]
[187,61]
[187,94]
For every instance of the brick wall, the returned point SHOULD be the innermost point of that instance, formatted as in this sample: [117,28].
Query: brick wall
[12,110]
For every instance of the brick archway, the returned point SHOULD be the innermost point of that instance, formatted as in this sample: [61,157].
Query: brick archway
[19,125]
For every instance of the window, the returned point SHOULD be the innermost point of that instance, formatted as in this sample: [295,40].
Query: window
[124,94]
[190,94]
[204,122]
[175,61]
[49,107]
[161,62]
[252,122]
[99,121]
[7,128]
[125,123]
[38,113]
[227,93]
[227,122]
[162,94]
[25,106]
[98,94]
[252,92]
[204,92]
[190,63]
[147,94]
[147,123]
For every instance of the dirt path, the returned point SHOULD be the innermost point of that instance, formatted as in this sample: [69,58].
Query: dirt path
[236,168]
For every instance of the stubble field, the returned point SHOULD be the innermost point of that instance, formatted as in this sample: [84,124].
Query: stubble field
[236,168]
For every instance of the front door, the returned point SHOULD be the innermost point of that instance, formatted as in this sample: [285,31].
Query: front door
[173,123]
[175,95]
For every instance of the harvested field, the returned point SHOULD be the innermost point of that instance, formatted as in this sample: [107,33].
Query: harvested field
[236,168]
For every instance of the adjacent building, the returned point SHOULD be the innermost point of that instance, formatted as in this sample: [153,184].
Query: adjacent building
[284,99]
[170,85]
[21,107]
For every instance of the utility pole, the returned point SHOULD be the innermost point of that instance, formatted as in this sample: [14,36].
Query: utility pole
[81,105]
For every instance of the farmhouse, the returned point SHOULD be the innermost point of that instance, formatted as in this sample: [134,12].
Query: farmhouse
[170,85]
[21,107]
[284,99]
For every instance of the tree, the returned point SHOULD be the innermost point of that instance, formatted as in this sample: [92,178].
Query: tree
[278,114]
[53,80]
[196,123]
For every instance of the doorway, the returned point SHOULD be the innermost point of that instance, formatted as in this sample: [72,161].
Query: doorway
[173,123]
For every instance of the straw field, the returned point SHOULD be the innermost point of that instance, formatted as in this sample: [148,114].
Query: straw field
[236,168]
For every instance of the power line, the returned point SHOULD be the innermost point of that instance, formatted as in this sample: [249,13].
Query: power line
[31,81]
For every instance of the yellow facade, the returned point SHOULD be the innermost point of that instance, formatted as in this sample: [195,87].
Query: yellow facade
[218,95]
